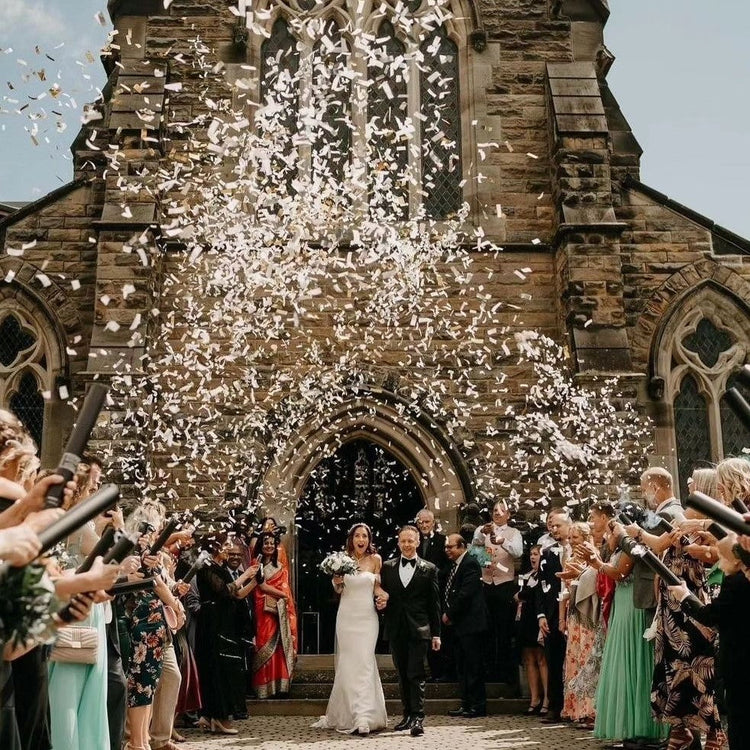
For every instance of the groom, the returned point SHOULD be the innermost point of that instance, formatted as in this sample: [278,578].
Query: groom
[412,623]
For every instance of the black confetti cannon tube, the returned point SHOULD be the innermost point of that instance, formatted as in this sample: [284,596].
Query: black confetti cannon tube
[716,511]
[716,530]
[641,552]
[166,532]
[117,553]
[739,406]
[84,512]
[200,562]
[144,584]
[739,505]
[744,374]
[106,540]
[76,444]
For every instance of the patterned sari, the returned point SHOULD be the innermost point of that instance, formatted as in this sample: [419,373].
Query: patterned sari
[275,635]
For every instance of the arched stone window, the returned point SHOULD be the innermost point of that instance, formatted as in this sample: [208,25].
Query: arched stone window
[703,345]
[24,367]
[402,114]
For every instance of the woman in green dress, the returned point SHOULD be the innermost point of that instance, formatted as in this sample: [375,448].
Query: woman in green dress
[623,697]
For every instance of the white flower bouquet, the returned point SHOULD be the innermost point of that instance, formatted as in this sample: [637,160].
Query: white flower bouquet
[339,564]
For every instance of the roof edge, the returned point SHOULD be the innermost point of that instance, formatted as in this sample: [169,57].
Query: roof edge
[45,200]
[725,235]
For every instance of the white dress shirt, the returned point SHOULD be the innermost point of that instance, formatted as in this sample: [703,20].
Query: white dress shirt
[406,572]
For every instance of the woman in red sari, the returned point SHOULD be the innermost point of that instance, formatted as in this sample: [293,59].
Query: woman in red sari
[275,622]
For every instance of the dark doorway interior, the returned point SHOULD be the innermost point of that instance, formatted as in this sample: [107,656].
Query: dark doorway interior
[362,481]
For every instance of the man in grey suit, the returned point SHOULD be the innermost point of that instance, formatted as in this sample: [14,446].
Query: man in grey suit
[656,487]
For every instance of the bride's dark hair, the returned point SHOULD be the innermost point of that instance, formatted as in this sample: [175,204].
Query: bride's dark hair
[371,549]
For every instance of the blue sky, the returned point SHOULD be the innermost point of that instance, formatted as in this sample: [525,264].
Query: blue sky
[681,76]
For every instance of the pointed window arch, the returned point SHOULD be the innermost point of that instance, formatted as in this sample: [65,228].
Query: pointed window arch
[25,349]
[701,348]
[395,120]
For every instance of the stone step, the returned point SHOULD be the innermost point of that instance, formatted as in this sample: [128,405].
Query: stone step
[437,690]
[433,706]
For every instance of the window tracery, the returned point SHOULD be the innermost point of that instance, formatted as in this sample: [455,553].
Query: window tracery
[24,367]
[400,109]
[700,354]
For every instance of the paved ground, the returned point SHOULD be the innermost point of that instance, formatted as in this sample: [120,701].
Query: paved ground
[441,733]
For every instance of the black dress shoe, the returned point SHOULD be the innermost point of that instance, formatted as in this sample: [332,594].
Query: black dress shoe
[458,712]
[475,713]
[552,719]
[405,723]
[417,730]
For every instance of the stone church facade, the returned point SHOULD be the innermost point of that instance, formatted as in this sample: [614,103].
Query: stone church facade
[634,283]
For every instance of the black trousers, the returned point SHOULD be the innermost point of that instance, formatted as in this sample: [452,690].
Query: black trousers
[117,689]
[31,684]
[470,668]
[502,664]
[554,651]
[408,658]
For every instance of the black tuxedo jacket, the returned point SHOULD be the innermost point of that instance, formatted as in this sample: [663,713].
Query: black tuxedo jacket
[434,552]
[412,612]
[547,591]
[464,599]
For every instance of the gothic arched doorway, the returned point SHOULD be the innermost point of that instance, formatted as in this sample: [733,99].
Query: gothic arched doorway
[361,481]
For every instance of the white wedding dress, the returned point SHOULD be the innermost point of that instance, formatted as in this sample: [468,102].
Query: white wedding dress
[357,699]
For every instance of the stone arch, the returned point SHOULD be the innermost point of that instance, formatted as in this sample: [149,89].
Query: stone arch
[668,297]
[49,299]
[55,321]
[430,456]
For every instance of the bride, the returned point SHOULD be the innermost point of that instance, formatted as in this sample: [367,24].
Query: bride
[357,704]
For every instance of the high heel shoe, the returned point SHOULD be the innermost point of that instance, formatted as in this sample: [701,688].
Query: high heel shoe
[544,710]
[203,724]
[219,728]
[534,710]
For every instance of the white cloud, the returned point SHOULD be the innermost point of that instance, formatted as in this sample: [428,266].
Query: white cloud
[37,19]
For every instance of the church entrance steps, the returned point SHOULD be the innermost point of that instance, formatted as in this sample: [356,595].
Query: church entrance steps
[313,679]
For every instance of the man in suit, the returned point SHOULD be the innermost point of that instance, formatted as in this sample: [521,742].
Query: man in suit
[412,623]
[546,595]
[432,549]
[466,611]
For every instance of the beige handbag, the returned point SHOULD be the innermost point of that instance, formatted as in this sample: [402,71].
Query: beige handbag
[76,644]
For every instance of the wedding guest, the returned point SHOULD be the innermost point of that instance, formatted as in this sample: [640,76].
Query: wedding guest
[275,622]
[432,549]
[465,611]
[504,545]
[682,647]
[168,688]
[546,599]
[268,524]
[530,639]
[579,619]
[78,692]
[219,649]
[624,689]
[730,614]
[146,628]
[600,514]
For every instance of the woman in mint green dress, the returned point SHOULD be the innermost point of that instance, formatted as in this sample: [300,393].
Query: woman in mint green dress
[78,692]
[623,697]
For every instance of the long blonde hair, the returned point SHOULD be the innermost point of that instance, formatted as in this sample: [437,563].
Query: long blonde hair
[15,443]
[733,474]
[704,480]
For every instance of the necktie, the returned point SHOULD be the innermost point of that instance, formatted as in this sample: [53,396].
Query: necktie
[425,545]
[412,562]
[451,576]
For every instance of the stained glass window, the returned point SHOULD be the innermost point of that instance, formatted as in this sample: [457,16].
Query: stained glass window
[27,403]
[13,340]
[441,127]
[735,435]
[332,138]
[708,342]
[387,140]
[279,66]
[691,429]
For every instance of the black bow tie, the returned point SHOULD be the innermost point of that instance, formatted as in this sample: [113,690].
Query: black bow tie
[412,562]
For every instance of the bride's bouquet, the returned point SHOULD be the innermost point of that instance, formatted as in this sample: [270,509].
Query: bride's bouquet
[339,564]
